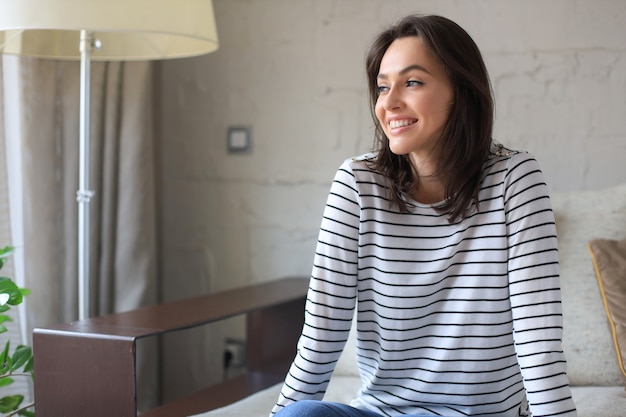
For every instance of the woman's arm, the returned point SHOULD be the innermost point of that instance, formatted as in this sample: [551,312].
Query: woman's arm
[535,289]
[332,294]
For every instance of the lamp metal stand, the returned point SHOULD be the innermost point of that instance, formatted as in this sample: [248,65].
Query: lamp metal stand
[84,194]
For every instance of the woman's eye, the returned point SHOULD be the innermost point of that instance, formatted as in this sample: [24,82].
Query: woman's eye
[382,88]
[414,83]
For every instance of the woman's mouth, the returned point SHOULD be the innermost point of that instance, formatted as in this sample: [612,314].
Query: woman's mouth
[395,125]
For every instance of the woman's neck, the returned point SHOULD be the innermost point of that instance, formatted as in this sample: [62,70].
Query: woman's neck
[429,188]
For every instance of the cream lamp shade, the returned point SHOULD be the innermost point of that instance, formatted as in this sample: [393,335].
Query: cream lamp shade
[126,29]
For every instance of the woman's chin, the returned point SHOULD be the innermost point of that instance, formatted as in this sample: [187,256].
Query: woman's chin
[398,150]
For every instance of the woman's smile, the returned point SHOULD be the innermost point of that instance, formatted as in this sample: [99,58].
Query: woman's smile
[396,125]
[414,98]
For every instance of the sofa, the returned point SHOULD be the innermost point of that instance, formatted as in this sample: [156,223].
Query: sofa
[88,367]
[590,343]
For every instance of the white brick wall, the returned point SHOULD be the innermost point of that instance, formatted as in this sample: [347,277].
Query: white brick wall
[293,70]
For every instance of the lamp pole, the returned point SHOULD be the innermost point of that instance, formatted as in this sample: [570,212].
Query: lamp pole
[84,194]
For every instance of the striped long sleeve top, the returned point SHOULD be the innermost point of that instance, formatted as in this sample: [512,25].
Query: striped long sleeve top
[460,319]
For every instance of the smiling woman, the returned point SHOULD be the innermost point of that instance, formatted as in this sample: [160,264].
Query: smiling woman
[441,244]
[460,112]
[414,99]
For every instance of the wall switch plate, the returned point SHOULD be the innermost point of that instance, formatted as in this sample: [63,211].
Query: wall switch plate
[239,139]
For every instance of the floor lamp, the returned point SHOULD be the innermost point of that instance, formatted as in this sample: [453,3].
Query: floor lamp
[104,30]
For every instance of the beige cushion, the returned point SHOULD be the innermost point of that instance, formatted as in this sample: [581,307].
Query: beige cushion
[599,401]
[609,260]
[580,217]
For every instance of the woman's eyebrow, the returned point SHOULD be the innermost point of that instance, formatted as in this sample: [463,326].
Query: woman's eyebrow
[410,68]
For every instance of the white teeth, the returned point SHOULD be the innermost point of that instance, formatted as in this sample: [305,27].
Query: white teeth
[399,123]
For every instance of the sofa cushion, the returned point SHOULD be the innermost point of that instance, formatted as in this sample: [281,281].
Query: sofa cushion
[599,401]
[580,217]
[609,260]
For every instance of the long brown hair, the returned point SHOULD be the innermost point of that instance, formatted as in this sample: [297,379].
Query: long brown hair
[466,135]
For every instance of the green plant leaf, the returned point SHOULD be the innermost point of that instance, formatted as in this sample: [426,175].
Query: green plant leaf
[5,352]
[29,365]
[7,286]
[6,366]
[5,359]
[10,403]
[5,252]
[11,295]
[21,355]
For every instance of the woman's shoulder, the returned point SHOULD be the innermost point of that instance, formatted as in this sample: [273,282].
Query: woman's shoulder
[362,159]
[500,155]
[499,151]
[505,166]
[360,169]
[360,164]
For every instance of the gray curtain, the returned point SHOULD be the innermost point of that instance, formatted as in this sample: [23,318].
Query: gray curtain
[14,334]
[123,219]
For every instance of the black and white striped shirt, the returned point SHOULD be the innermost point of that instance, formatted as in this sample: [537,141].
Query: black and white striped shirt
[458,319]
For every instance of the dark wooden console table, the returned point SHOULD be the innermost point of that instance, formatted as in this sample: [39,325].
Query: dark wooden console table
[87,367]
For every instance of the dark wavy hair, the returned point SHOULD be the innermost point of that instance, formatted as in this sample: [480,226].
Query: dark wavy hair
[467,134]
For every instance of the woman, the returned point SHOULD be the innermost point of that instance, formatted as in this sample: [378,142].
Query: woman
[446,246]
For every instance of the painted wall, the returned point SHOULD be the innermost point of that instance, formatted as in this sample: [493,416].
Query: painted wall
[292,70]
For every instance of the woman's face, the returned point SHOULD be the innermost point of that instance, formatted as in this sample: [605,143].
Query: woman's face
[415,96]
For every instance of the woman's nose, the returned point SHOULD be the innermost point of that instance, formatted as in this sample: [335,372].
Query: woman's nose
[393,99]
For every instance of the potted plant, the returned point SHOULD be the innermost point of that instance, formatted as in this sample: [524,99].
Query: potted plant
[20,362]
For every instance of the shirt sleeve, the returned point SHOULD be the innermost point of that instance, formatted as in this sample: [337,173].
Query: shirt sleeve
[331,296]
[535,289]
